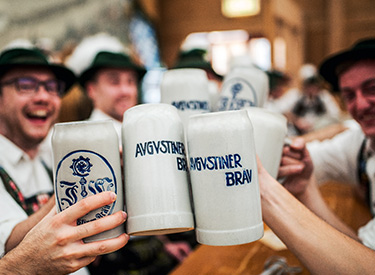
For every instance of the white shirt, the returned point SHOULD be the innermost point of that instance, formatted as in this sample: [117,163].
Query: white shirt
[336,159]
[31,177]
[98,115]
[284,103]
[331,115]
[45,149]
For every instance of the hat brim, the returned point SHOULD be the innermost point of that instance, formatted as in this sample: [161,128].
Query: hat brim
[328,69]
[89,73]
[60,72]
[197,65]
[106,59]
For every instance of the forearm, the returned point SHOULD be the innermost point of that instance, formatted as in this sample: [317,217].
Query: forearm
[321,248]
[313,200]
[21,229]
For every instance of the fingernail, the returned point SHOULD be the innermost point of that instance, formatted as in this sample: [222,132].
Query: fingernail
[113,196]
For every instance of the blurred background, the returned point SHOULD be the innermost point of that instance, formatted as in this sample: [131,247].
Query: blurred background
[277,34]
[283,34]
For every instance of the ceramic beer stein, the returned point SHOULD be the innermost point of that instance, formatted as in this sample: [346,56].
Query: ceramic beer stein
[270,130]
[187,90]
[224,178]
[86,162]
[155,171]
[244,86]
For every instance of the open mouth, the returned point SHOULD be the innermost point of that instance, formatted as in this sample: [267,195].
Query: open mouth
[37,115]
[368,118]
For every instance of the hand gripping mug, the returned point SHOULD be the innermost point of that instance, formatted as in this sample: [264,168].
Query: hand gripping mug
[86,162]
[224,178]
[270,130]
[155,171]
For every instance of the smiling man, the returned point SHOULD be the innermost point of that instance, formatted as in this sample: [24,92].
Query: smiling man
[30,96]
[27,117]
[111,82]
[350,156]
[346,157]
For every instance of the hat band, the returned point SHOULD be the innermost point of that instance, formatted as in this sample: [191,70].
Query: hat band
[29,59]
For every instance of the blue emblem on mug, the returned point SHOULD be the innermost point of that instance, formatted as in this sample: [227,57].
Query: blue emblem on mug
[80,174]
[237,94]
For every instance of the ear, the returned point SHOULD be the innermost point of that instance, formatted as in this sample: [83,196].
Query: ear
[90,89]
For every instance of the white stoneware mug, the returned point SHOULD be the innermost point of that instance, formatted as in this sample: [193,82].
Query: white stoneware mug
[214,94]
[270,130]
[244,86]
[155,170]
[187,90]
[86,162]
[224,178]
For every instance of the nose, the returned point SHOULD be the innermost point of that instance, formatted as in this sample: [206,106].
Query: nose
[41,93]
[126,89]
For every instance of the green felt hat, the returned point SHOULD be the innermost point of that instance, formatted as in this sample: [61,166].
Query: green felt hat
[363,49]
[106,59]
[22,57]
[195,58]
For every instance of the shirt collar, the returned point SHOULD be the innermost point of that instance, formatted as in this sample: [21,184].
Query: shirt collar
[97,115]
[11,152]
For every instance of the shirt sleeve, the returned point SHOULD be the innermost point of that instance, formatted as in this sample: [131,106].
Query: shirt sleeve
[11,215]
[336,158]
[367,234]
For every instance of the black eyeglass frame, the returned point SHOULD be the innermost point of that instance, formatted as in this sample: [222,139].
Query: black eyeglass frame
[16,81]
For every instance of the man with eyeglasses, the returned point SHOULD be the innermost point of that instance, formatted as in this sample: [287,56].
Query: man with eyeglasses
[30,97]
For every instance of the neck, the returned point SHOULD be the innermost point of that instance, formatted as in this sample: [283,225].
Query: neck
[31,152]
[117,118]
[30,148]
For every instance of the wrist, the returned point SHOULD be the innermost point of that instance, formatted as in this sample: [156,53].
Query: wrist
[14,260]
[310,195]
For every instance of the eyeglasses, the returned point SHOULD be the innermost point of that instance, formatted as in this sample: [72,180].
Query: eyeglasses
[30,85]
